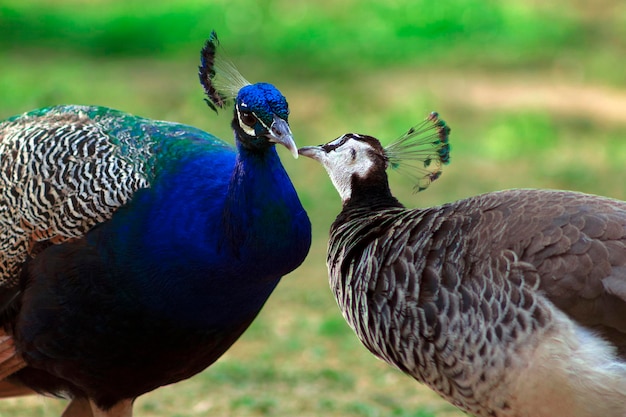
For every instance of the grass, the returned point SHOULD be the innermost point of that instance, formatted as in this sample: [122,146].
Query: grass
[496,72]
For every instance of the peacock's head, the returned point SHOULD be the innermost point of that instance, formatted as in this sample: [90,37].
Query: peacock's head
[358,163]
[261,111]
[261,114]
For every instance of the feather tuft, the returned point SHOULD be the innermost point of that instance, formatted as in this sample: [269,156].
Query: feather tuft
[218,76]
[422,151]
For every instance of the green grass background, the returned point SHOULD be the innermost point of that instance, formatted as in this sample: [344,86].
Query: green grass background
[535,94]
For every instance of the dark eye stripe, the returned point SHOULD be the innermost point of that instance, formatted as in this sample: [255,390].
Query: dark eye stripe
[331,147]
[341,141]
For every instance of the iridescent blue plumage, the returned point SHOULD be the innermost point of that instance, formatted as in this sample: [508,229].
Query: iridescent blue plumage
[155,244]
[266,101]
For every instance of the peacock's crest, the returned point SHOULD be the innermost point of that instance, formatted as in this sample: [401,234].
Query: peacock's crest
[219,77]
[261,111]
[422,151]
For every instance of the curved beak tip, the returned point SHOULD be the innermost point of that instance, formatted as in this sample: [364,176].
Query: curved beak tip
[280,133]
[288,142]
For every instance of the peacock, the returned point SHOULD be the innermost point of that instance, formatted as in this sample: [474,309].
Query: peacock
[510,303]
[135,252]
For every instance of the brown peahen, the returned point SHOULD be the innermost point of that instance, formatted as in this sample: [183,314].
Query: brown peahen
[509,303]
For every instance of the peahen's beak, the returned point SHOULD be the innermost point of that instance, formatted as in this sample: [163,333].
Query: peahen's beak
[280,133]
[313,152]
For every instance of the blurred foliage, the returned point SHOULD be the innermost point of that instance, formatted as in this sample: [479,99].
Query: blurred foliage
[315,37]
[533,91]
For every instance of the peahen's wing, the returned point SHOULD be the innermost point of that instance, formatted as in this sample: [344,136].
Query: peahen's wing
[577,243]
[65,169]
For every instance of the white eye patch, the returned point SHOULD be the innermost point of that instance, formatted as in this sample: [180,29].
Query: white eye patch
[247,120]
[249,130]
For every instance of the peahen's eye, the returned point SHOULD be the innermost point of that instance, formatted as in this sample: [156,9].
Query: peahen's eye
[247,118]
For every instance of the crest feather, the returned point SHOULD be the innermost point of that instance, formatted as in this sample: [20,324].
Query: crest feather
[422,151]
[218,76]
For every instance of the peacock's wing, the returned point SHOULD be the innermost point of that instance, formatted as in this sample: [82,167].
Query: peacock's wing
[66,169]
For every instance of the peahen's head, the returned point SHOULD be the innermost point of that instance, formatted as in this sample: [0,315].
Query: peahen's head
[357,164]
[350,160]
[261,111]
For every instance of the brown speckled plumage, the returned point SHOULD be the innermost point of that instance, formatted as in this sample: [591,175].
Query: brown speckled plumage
[510,303]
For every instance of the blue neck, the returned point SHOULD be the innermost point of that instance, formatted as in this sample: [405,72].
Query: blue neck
[263,221]
[213,219]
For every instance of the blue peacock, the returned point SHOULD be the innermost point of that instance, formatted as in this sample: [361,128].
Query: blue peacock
[135,252]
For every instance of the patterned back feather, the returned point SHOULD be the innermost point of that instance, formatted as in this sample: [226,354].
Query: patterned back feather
[80,164]
[71,178]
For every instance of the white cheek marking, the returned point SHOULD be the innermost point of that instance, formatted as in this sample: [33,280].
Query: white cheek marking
[261,121]
[342,167]
[362,166]
[249,131]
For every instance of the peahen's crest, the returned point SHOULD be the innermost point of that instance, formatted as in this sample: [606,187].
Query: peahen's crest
[422,151]
[218,76]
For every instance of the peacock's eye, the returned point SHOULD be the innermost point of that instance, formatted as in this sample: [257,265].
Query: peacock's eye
[247,118]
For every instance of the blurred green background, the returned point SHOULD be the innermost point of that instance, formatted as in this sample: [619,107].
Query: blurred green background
[535,94]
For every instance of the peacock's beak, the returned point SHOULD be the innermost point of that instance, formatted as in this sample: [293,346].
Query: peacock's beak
[281,133]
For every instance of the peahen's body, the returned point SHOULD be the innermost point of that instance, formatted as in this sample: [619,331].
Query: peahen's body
[134,252]
[508,304]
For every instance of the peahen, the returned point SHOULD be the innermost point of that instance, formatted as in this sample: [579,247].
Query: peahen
[134,252]
[510,303]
